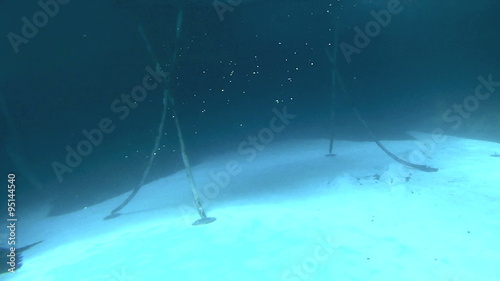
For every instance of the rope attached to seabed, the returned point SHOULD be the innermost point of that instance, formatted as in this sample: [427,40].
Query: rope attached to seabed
[336,78]
[397,159]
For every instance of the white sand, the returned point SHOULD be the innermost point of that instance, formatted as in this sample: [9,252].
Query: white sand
[292,214]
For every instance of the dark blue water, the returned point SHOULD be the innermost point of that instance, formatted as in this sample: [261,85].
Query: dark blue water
[67,65]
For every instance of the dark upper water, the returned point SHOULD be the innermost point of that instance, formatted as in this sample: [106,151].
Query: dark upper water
[69,66]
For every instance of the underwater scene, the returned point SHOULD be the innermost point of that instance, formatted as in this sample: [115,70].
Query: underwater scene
[250,140]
